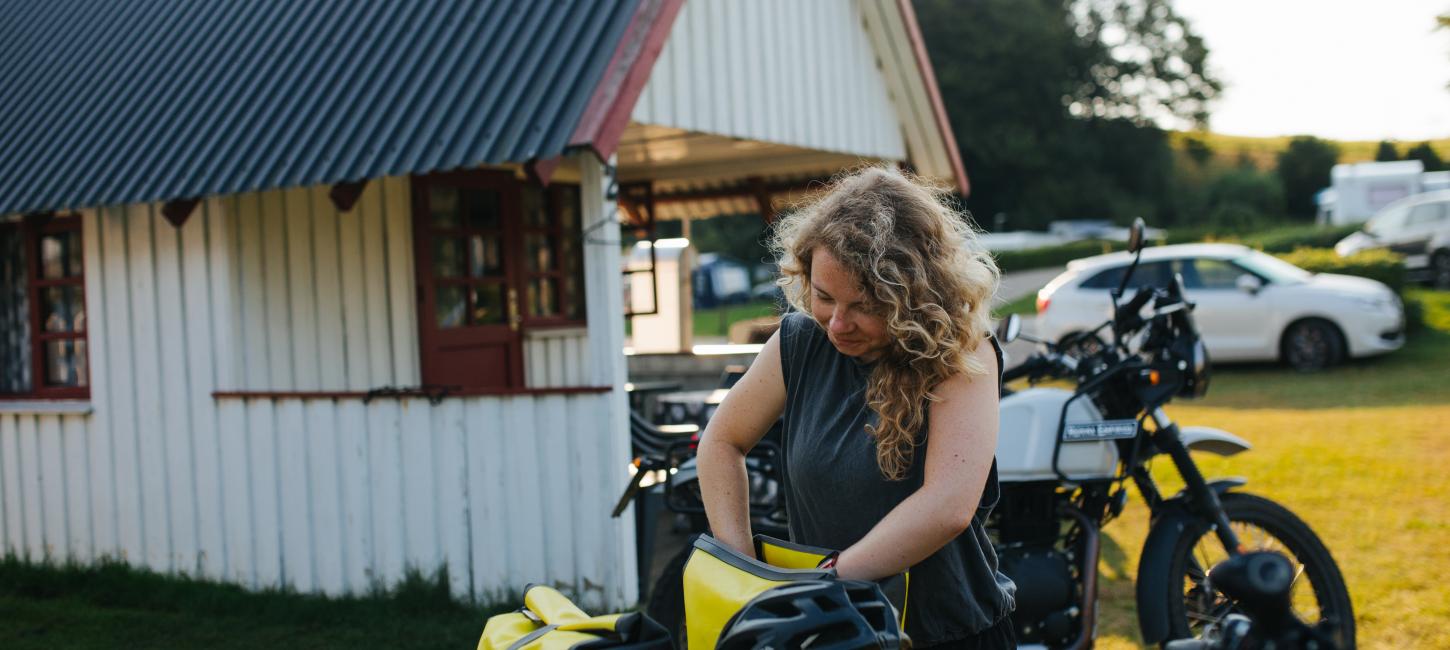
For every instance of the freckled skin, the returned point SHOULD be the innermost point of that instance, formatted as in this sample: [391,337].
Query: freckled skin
[840,305]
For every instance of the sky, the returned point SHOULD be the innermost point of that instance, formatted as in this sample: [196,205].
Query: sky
[1338,69]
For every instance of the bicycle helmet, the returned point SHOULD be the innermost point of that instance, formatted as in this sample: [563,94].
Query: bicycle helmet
[815,614]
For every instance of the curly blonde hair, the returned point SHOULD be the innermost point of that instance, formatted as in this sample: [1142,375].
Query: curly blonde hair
[918,260]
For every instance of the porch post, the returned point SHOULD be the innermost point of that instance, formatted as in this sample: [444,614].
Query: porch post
[604,300]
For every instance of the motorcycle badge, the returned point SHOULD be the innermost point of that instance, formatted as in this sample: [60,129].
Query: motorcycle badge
[1105,430]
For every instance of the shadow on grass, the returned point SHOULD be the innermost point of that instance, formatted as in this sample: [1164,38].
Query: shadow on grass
[1417,374]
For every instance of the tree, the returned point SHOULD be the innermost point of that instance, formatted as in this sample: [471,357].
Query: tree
[1198,150]
[1149,63]
[1424,153]
[1303,170]
[1386,152]
[1053,102]
[1243,198]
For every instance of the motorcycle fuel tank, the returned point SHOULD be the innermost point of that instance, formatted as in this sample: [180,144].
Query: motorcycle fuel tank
[1028,432]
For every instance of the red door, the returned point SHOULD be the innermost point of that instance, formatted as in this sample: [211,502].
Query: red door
[466,233]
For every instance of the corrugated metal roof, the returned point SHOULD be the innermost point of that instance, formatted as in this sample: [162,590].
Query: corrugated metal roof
[144,100]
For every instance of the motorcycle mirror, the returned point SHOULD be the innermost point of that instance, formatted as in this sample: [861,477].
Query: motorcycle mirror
[1135,235]
[1009,328]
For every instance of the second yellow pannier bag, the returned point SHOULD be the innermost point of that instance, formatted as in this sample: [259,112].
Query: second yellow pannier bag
[550,621]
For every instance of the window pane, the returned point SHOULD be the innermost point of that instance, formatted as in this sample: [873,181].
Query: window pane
[60,255]
[538,253]
[487,303]
[543,297]
[481,209]
[572,257]
[484,256]
[573,298]
[569,209]
[450,306]
[443,204]
[1210,274]
[15,352]
[448,257]
[1151,274]
[65,363]
[535,215]
[63,309]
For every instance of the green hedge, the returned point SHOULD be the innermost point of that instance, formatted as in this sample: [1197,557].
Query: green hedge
[1049,256]
[1291,238]
[1282,239]
[1278,239]
[1381,265]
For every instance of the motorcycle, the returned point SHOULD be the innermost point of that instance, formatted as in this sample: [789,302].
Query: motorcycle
[1063,459]
[1065,455]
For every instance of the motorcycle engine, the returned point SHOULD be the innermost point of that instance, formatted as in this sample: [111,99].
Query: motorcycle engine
[1046,593]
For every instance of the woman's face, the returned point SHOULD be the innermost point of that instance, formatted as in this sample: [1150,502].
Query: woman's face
[844,310]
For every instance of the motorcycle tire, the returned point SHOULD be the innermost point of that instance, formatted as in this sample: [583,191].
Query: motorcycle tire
[1261,525]
[667,598]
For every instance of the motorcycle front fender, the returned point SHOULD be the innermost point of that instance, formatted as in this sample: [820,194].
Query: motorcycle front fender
[1171,521]
[1213,441]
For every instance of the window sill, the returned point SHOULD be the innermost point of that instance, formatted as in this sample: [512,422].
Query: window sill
[45,407]
[365,396]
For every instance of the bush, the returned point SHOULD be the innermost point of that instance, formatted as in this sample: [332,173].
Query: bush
[1037,258]
[1290,238]
[1245,191]
[1380,265]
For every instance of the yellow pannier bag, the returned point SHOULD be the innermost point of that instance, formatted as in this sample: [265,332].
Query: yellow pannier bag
[550,621]
[789,555]
[719,582]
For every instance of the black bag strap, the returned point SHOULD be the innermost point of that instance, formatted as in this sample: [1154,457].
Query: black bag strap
[530,637]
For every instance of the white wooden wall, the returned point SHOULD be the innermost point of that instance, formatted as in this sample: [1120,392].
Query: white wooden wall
[323,300]
[320,494]
[801,73]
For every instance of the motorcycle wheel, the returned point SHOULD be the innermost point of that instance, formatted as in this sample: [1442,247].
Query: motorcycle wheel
[1261,525]
[667,598]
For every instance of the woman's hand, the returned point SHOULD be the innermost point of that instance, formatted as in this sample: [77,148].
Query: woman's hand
[751,406]
[963,441]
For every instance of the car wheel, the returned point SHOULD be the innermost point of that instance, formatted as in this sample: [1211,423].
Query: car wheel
[1440,270]
[1312,345]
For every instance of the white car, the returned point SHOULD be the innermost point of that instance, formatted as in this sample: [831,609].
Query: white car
[1417,227]
[1250,306]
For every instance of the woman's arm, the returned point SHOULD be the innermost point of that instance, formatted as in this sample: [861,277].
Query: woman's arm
[751,406]
[963,441]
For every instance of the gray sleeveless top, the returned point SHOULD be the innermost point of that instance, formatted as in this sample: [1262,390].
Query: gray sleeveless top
[836,494]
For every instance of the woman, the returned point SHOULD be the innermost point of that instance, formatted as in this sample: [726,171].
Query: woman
[887,379]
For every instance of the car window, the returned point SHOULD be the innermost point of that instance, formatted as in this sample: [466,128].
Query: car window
[1425,214]
[1153,274]
[1203,273]
[1388,222]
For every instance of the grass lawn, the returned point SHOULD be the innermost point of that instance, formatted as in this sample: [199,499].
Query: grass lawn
[716,321]
[112,606]
[1359,452]
[1025,305]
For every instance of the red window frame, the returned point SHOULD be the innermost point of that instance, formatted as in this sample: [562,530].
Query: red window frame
[442,350]
[32,231]
[568,260]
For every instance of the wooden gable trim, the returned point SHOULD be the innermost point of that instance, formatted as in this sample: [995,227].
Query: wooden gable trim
[607,113]
[938,107]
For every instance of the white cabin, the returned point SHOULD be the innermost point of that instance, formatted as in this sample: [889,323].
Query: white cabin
[314,313]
